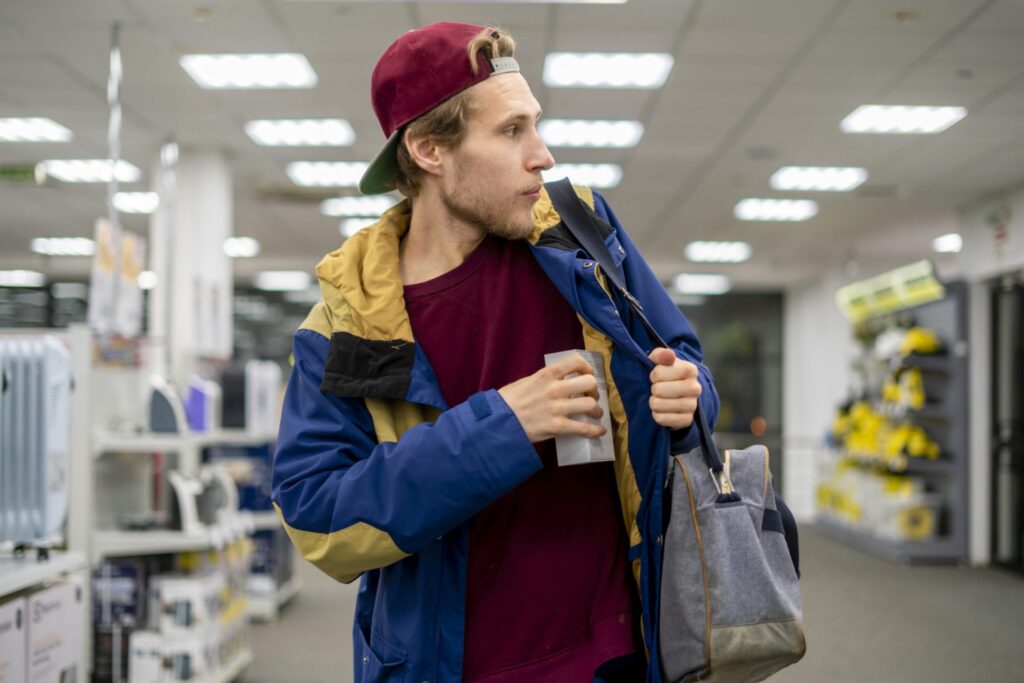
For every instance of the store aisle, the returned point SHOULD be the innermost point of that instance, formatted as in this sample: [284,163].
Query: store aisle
[311,642]
[867,621]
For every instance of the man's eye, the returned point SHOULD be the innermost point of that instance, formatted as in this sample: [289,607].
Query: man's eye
[512,131]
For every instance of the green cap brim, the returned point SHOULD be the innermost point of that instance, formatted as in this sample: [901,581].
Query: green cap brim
[382,171]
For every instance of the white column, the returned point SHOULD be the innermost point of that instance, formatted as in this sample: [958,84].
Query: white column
[190,309]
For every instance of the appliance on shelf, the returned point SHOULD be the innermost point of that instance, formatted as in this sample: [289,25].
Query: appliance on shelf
[166,411]
[35,394]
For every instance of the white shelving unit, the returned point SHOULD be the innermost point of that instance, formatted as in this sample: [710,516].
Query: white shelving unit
[89,448]
[267,607]
[235,668]
[19,573]
[264,521]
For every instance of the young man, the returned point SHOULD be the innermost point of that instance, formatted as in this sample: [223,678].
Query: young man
[416,447]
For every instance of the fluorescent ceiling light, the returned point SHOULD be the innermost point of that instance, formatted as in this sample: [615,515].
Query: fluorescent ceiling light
[753,209]
[301,132]
[241,247]
[136,202]
[356,206]
[63,246]
[606,69]
[282,280]
[326,173]
[586,133]
[147,279]
[718,252]
[33,130]
[248,71]
[88,170]
[819,178]
[948,244]
[351,226]
[592,175]
[521,2]
[21,278]
[694,283]
[881,118]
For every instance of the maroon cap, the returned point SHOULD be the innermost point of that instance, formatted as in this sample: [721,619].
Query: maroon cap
[419,71]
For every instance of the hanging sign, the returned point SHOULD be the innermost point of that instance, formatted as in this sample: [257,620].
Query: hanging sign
[896,290]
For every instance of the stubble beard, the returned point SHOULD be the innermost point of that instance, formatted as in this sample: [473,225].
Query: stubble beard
[483,213]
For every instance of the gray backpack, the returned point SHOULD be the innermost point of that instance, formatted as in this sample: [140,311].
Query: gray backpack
[730,599]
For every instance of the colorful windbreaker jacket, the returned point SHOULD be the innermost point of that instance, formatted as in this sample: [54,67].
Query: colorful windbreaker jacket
[376,477]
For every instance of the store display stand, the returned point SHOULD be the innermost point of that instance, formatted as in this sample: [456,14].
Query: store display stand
[91,545]
[948,417]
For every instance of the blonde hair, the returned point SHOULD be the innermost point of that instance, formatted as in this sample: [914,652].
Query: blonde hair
[446,123]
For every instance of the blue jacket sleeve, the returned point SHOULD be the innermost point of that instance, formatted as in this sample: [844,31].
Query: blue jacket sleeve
[351,504]
[668,320]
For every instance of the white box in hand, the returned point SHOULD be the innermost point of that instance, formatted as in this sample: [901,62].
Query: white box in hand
[579,450]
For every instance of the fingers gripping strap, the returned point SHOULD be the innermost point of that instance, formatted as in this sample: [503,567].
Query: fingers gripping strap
[580,222]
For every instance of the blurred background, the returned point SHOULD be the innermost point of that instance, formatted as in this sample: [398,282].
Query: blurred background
[831,190]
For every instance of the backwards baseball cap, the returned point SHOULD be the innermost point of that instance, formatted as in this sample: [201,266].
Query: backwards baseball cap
[419,71]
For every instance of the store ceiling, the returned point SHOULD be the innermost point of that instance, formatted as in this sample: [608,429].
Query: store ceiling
[757,84]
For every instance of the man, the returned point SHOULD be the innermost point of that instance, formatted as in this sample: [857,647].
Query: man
[416,445]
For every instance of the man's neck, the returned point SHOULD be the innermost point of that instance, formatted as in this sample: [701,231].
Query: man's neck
[436,242]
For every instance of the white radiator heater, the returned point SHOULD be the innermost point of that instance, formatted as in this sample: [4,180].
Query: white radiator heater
[35,398]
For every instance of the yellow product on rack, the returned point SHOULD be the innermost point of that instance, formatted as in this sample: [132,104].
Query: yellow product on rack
[911,389]
[891,390]
[920,340]
[916,522]
[920,446]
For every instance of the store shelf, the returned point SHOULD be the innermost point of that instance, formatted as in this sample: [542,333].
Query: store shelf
[899,552]
[106,442]
[933,363]
[154,542]
[235,669]
[266,607]
[264,521]
[19,573]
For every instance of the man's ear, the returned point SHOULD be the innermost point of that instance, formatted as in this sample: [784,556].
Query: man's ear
[424,152]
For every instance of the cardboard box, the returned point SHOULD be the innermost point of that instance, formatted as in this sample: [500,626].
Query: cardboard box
[55,624]
[145,657]
[13,640]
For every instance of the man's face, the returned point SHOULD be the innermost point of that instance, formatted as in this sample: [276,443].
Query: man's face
[493,178]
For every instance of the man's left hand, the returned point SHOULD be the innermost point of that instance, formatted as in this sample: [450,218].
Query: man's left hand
[674,389]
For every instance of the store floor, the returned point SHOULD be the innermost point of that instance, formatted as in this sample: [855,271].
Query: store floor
[866,621]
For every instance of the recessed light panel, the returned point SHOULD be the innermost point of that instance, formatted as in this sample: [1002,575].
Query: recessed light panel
[356,206]
[702,283]
[33,130]
[948,244]
[241,247]
[250,71]
[326,173]
[63,246]
[900,119]
[147,279]
[754,209]
[88,170]
[600,176]
[301,132]
[718,252]
[21,278]
[588,133]
[606,69]
[136,202]
[819,178]
[282,280]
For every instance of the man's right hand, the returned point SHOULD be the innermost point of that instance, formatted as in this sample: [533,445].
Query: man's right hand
[545,401]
